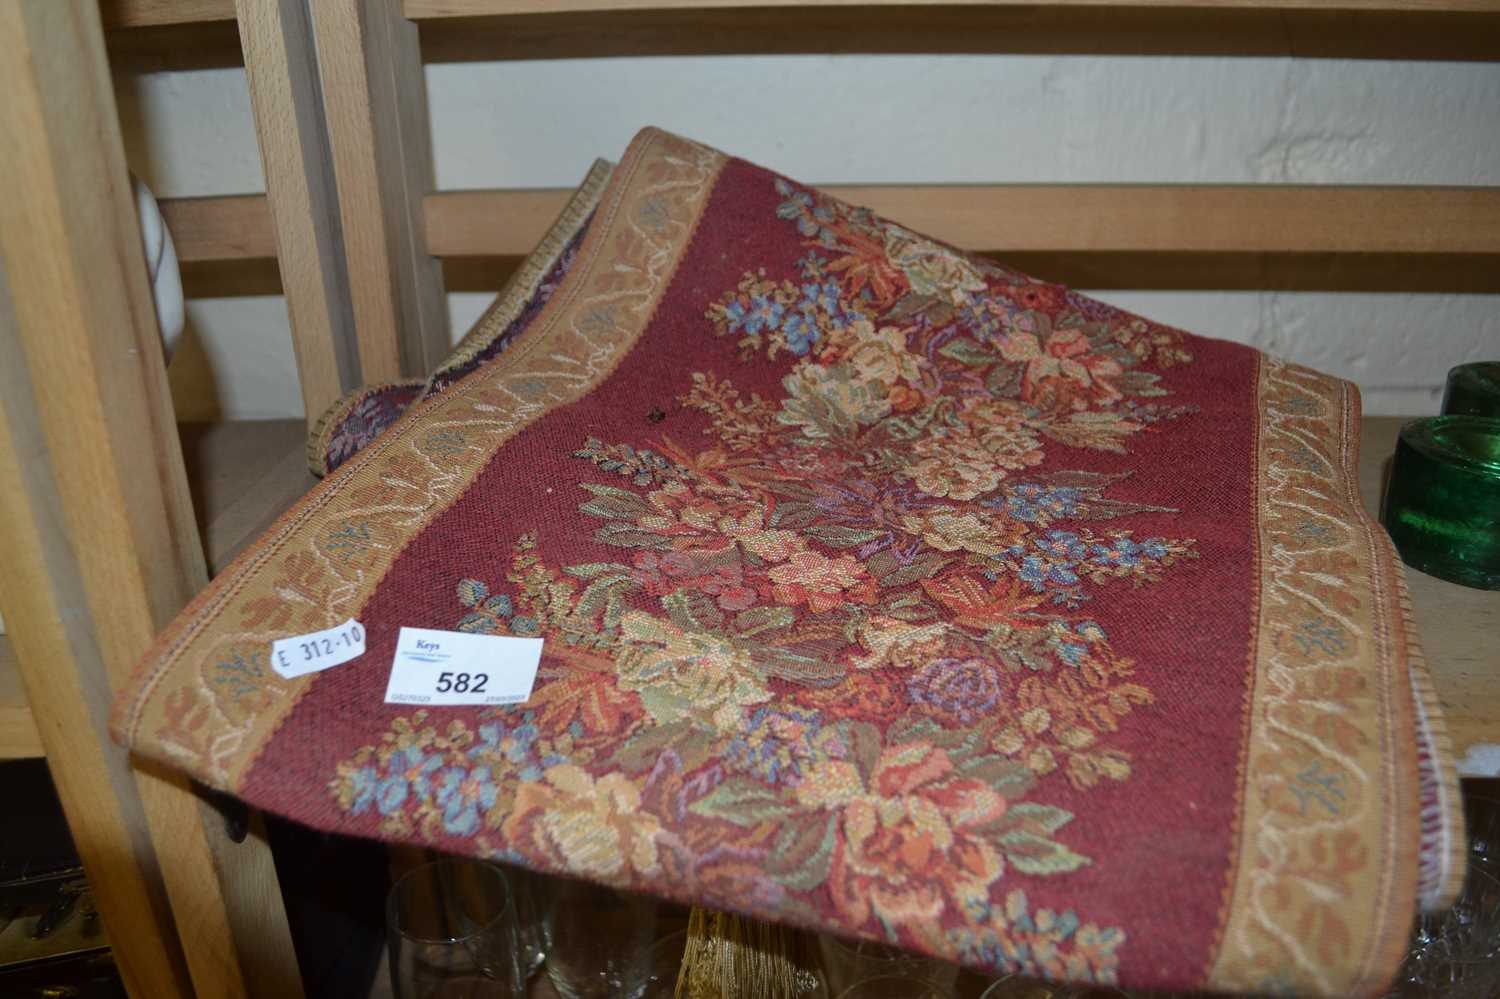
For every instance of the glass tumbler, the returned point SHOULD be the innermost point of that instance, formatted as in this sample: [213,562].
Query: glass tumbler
[452,933]
[846,962]
[600,941]
[895,987]
[530,892]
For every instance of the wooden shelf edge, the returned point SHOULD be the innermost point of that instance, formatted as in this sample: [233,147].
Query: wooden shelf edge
[19,738]
[433,9]
[118,14]
[243,474]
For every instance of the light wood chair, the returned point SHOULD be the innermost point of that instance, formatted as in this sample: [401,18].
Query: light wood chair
[110,520]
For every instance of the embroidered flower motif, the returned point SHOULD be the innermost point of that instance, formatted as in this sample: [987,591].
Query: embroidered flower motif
[910,835]
[408,772]
[1031,502]
[1047,944]
[932,269]
[687,674]
[820,582]
[779,743]
[964,689]
[463,793]
[1062,370]
[593,827]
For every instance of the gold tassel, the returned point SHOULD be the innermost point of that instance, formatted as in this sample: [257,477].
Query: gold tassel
[731,957]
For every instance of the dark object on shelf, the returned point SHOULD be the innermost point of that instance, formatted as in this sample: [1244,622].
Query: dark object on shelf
[36,843]
[1442,507]
[52,942]
[1473,390]
[334,890]
[85,976]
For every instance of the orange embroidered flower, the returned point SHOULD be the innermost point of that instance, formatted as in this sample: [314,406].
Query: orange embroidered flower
[1062,371]
[822,583]
[909,835]
[593,826]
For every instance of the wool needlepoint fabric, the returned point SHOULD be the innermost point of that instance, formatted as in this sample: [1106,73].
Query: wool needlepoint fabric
[884,591]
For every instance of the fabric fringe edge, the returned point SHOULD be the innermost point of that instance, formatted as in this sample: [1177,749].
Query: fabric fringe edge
[325,426]
[1443,852]
[519,289]
[523,283]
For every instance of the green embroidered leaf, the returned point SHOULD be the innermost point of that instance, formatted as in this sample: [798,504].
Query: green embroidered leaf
[1036,817]
[744,802]
[609,501]
[630,536]
[794,516]
[589,570]
[800,857]
[912,304]
[1032,854]
[692,610]
[967,351]
[810,667]
[471,592]
[840,536]
[478,624]
[1005,380]
[892,571]
[603,594]
[864,746]
[1140,383]
[1009,777]
[640,751]
[761,619]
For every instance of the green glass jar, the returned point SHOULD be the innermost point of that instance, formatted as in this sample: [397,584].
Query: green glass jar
[1473,390]
[1442,507]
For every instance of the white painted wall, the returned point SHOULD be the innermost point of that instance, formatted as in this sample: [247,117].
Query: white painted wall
[911,119]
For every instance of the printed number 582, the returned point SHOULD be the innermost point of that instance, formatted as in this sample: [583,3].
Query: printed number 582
[462,683]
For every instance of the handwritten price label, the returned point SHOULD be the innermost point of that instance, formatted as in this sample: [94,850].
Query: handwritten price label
[319,650]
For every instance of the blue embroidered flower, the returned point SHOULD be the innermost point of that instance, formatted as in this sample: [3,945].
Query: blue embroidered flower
[1037,572]
[801,333]
[408,772]
[362,785]
[462,793]
[1061,545]
[516,744]
[1032,501]
[1127,553]
[765,314]
[736,315]
[778,743]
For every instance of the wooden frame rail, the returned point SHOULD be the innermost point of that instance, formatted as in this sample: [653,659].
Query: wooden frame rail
[1026,218]
[97,526]
[147,13]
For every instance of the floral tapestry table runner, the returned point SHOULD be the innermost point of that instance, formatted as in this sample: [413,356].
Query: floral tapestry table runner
[883,591]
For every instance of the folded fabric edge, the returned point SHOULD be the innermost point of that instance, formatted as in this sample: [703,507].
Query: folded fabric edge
[1442,859]
[164,652]
[519,290]
[319,438]
[523,283]
[1366,791]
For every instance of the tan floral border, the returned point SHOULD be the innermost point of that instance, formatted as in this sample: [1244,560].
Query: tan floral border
[205,698]
[1324,883]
